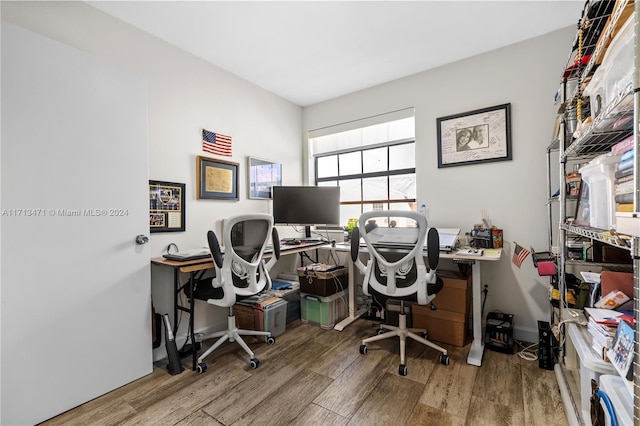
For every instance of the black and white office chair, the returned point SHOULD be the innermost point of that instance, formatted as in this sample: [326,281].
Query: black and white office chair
[395,241]
[240,272]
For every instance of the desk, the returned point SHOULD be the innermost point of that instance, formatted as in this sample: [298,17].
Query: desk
[192,266]
[477,346]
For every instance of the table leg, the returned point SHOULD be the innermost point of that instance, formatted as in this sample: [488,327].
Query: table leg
[192,333]
[352,315]
[176,289]
[477,347]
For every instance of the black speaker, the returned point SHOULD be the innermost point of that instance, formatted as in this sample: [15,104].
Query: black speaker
[545,346]
[175,365]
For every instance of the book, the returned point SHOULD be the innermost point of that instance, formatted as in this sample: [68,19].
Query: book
[624,172]
[612,300]
[623,165]
[624,198]
[627,155]
[623,179]
[603,316]
[604,331]
[624,207]
[625,188]
[623,146]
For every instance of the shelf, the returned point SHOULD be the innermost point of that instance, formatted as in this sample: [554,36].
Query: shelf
[612,125]
[598,25]
[618,240]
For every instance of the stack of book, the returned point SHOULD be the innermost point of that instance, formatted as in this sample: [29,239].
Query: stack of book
[602,326]
[623,183]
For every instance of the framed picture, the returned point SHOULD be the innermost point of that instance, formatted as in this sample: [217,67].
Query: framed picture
[581,216]
[217,179]
[263,175]
[479,136]
[166,206]
[621,355]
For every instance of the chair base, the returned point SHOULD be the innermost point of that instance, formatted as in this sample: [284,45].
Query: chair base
[232,334]
[403,332]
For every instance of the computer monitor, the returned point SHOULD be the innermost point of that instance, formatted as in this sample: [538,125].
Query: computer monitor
[306,206]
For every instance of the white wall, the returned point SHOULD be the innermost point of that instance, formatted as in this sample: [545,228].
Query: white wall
[185,95]
[526,75]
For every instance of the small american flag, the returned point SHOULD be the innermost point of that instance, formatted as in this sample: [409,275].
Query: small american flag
[519,255]
[215,143]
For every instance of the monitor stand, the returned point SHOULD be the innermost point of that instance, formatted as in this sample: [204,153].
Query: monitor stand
[307,231]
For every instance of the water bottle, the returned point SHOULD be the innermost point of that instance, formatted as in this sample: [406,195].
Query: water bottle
[424,210]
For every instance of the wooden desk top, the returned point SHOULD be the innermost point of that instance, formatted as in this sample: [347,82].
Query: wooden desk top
[207,263]
[489,254]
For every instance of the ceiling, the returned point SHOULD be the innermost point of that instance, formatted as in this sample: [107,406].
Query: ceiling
[309,52]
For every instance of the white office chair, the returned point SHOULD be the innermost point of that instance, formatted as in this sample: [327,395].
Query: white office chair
[396,269]
[241,272]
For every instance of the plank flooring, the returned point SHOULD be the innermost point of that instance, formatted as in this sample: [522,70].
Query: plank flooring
[313,376]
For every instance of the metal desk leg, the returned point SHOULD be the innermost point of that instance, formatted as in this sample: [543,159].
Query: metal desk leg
[353,315]
[192,333]
[176,289]
[477,347]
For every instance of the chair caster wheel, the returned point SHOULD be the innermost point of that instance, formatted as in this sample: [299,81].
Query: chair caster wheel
[363,349]
[381,331]
[271,340]
[444,359]
[402,370]
[202,367]
[254,363]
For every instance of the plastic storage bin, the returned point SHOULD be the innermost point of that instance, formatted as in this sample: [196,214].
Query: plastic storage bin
[272,317]
[595,91]
[621,397]
[323,311]
[599,175]
[254,316]
[618,62]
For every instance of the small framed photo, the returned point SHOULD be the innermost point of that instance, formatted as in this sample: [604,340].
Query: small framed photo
[621,355]
[166,206]
[263,175]
[479,136]
[217,179]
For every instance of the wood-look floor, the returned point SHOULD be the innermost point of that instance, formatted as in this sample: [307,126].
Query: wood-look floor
[313,376]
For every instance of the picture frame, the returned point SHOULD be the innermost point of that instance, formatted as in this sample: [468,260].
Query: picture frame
[263,175]
[216,179]
[166,206]
[621,354]
[479,136]
[581,216]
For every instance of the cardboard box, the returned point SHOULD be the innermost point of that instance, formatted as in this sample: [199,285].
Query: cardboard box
[322,280]
[455,295]
[442,326]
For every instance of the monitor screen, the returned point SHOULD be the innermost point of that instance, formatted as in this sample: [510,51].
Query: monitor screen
[306,205]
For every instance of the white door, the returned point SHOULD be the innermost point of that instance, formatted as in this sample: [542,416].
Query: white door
[76,315]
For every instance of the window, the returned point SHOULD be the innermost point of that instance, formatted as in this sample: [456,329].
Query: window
[374,167]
